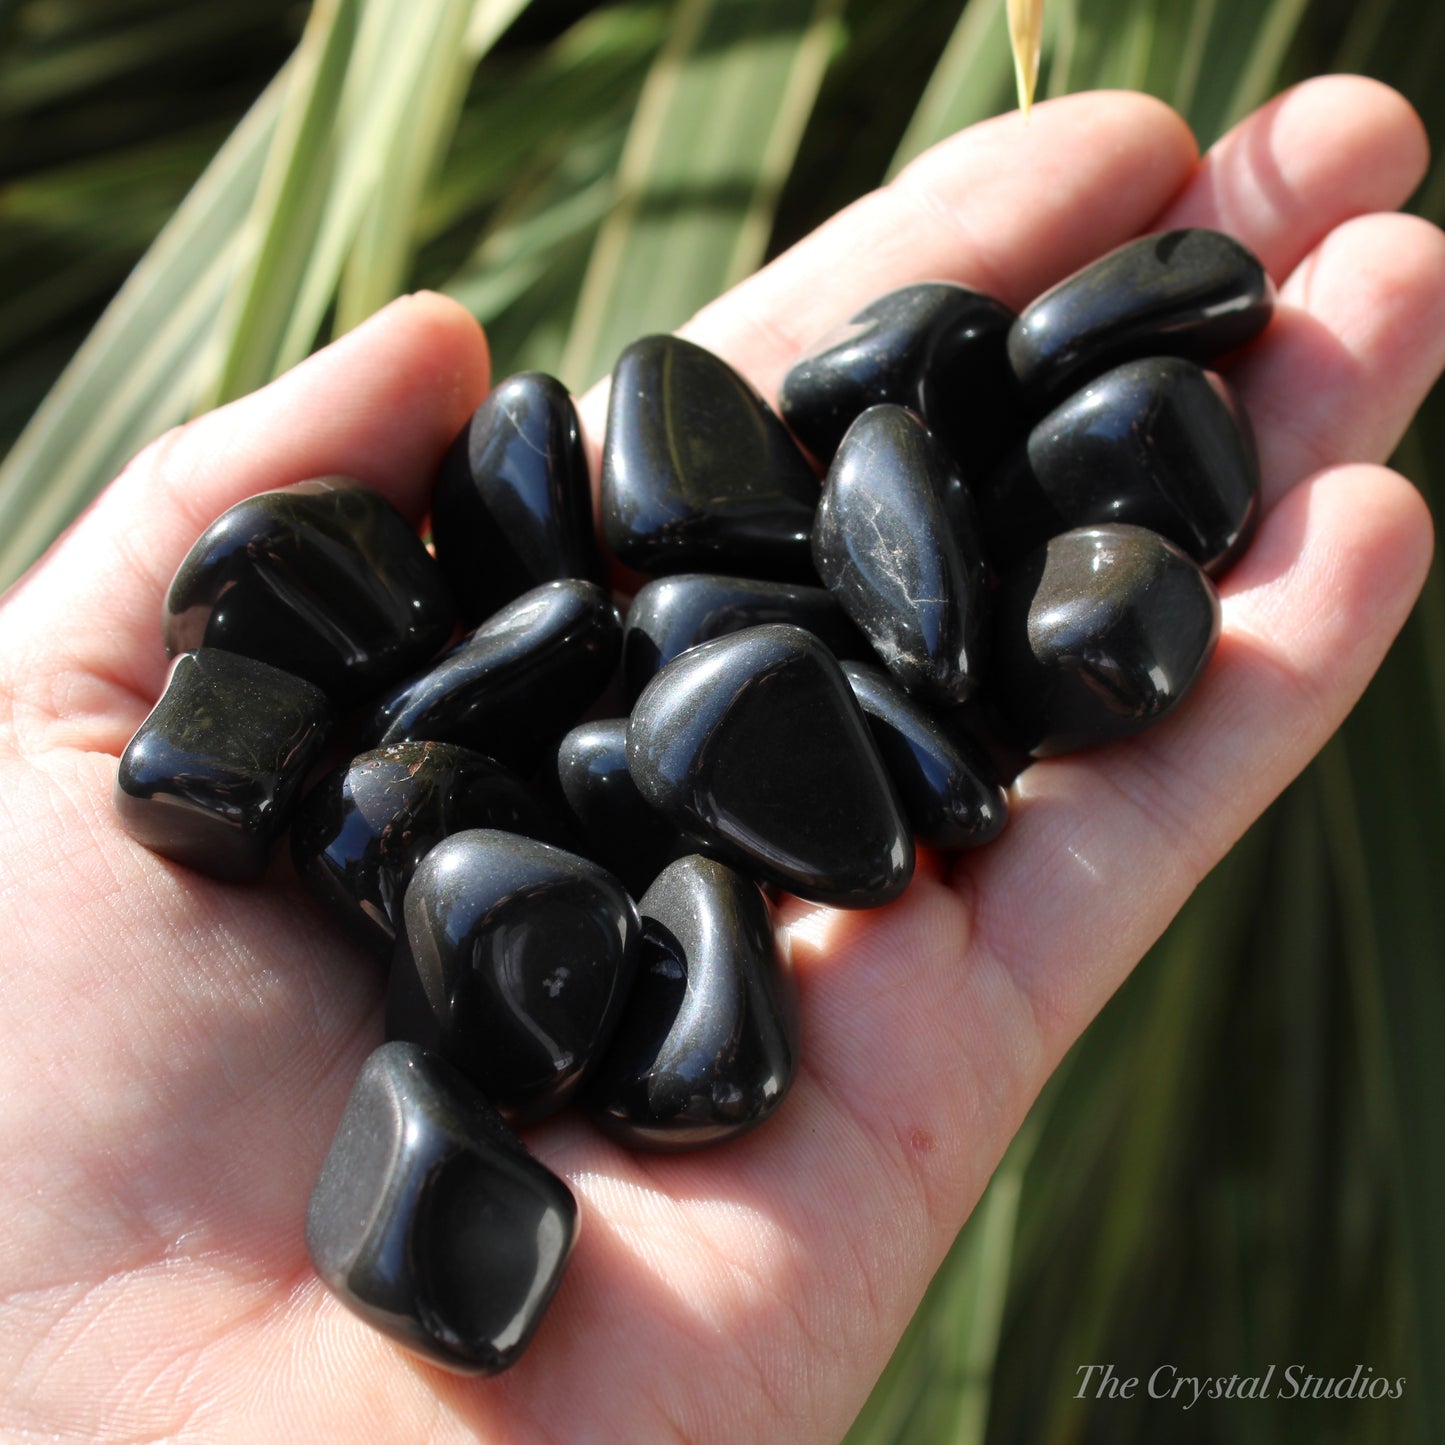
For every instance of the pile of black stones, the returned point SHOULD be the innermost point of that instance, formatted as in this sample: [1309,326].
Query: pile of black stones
[1010,556]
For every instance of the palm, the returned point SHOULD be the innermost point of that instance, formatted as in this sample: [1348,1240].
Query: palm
[179,1051]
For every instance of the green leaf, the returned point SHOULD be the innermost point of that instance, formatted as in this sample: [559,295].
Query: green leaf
[129,380]
[715,131]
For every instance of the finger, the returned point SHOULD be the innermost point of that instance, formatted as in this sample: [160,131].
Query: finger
[1007,207]
[83,630]
[1282,179]
[1358,341]
[1105,846]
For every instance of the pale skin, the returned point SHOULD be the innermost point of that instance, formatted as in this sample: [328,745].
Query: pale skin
[177,1052]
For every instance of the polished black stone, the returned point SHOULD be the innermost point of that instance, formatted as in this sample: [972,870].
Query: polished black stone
[212,775]
[512,964]
[755,744]
[672,614]
[324,579]
[512,506]
[708,1044]
[1194,293]
[1098,635]
[516,684]
[937,348]
[432,1222]
[697,472]
[620,829]
[946,785]
[362,830]
[1158,442]
[896,541]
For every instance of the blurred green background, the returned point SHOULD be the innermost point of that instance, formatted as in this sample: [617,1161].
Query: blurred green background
[1243,1162]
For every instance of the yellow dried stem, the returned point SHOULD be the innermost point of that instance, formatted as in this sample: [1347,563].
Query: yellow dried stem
[1025,33]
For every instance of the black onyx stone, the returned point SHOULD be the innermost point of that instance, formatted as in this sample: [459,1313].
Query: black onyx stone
[512,506]
[324,579]
[672,614]
[1194,293]
[1160,443]
[512,964]
[620,829]
[432,1222]
[697,472]
[896,542]
[212,775]
[708,1044]
[754,744]
[1099,634]
[515,684]
[362,830]
[937,348]
[945,783]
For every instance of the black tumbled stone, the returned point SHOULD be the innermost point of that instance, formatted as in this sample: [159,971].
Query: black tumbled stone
[1193,293]
[708,1044]
[671,614]
[1159,443]
[512,963]
[698,474]
[324,579]
[516,684]
[619,828]
[755,744]
[1098,635]
[946,784]
[512,505]
[937,348]
[362,830]
[895,541]
[432,1222]
[212,775]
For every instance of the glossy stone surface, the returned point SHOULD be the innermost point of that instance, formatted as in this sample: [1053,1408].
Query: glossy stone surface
[432,1222]
[620,829]
[362,830]
[519,681]
[708,1045]
[896,542]
[512,964]
[1160,443]
[512,506]
[212,775]
[1192,293]
[697,473]
[1099,634]
[936,348]
[324,579]
[755,744]
[945,784]
[671,614]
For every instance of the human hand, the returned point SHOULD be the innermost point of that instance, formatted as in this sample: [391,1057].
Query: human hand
[178,1051]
